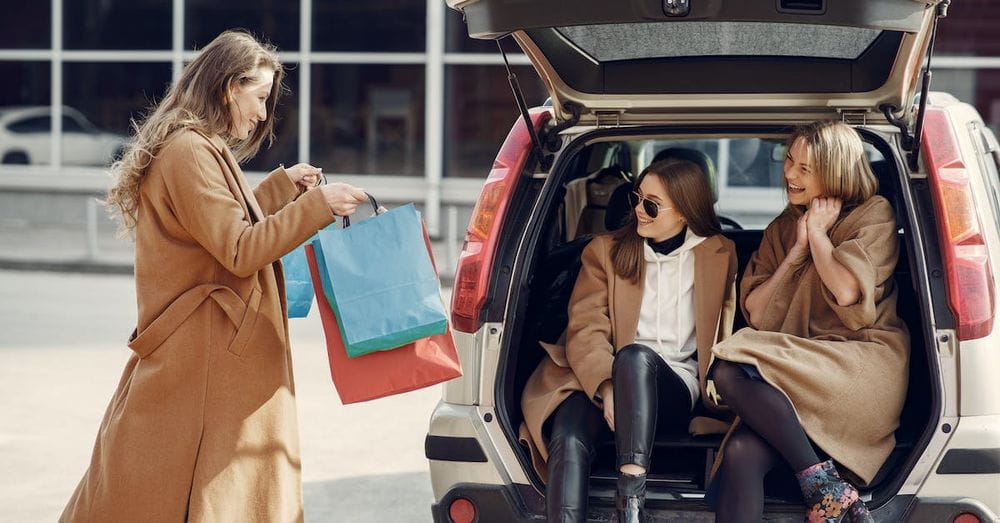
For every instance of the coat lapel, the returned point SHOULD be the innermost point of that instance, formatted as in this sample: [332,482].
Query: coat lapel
[710,261]
[244,191]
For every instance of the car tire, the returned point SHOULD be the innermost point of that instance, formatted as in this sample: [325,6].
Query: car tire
[16,158]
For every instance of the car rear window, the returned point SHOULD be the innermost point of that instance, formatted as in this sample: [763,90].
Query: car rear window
[636,41]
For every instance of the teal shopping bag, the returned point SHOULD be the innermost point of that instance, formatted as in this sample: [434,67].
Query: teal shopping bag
[298,282]
[378,278]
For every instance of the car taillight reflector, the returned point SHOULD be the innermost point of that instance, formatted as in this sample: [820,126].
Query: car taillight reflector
[462,510]
[969,275]
[476,260]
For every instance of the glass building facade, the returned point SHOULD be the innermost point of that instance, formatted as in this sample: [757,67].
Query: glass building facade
[388,94]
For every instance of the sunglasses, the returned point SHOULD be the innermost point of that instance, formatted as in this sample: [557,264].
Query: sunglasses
[649,206]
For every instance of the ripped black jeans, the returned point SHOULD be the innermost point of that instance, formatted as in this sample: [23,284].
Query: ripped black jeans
[649,399]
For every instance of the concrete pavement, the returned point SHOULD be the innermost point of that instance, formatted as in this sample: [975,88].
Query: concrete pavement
[62,348]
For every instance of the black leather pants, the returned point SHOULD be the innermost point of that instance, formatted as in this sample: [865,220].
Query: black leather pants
[649,399]
[577,427]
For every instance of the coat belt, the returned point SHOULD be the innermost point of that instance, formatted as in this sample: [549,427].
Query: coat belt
[179,310]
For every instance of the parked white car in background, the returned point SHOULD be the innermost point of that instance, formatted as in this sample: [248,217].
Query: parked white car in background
[25,137]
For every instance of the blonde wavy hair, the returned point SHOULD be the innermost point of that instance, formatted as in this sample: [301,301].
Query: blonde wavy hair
[838,157]
[197,101]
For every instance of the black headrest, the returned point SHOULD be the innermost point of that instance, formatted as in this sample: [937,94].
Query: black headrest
[619,205]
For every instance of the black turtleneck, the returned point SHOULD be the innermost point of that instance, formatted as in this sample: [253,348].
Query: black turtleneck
[670,244]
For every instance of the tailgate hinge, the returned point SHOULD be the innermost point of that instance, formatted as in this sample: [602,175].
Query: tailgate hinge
[854,116]
[609,118]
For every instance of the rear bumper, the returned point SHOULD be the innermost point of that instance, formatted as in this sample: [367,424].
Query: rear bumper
[945,510]
[494,503]
[521,503]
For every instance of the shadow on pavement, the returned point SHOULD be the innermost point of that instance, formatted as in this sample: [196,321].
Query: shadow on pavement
[376,498]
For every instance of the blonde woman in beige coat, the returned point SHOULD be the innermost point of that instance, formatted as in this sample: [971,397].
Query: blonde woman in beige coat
[825,361]
[203,425]
[650,301]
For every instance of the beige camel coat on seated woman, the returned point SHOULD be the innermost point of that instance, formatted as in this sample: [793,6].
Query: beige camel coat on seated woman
[203,425]
[604,317]
[844,369]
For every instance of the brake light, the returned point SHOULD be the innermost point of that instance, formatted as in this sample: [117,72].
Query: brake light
[476,260]
[969,275]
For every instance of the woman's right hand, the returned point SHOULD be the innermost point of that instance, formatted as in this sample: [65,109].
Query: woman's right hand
[343,198]
[607,392]
[802,233]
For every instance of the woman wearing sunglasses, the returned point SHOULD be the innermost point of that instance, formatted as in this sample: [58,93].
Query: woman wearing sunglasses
[650,301]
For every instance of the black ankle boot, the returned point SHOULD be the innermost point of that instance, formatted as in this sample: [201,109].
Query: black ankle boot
[631,498]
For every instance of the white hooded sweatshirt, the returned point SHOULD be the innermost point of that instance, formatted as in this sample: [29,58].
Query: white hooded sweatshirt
[666,315]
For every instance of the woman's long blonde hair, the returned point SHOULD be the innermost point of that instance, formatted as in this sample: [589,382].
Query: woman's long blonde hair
[838,156]
[197,101]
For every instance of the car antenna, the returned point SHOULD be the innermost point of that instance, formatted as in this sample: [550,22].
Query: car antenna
[942,11]
[543,160]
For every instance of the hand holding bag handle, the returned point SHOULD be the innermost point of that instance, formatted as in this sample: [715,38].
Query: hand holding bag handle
[376,208]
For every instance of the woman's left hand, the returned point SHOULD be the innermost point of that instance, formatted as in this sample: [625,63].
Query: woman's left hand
[823,212]
[304,174]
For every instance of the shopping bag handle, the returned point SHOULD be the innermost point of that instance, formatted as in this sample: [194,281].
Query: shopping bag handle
[376,208]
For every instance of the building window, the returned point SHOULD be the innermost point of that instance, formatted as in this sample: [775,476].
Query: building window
[276,22]
[25,113]
[369,26]
[100,99]
[480,111]
[969,29]
[368,119]
[117,24]
[27,26]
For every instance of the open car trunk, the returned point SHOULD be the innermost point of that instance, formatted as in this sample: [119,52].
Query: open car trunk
[680,464]
[639,61]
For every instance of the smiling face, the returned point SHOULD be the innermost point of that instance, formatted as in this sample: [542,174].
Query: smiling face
[802,182]
[248,102]
[668,222]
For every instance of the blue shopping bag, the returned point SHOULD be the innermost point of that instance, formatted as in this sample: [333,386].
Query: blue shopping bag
[298,283]
[378,278]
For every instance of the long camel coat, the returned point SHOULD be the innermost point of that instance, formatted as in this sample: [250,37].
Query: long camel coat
[844,369]
[203,424]
[604,317]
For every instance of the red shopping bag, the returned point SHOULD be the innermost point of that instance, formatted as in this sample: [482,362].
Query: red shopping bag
[420,364]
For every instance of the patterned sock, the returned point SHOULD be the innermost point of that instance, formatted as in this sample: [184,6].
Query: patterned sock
[828,497]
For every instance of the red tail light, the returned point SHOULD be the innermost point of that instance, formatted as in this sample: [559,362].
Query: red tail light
[476,261]
[968,272]
[462,510]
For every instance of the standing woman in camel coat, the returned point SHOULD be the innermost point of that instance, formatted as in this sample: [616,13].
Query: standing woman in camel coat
[203,424]
[650,301]
[825,359]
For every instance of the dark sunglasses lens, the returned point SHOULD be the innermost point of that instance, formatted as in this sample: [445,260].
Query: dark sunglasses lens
[651,209]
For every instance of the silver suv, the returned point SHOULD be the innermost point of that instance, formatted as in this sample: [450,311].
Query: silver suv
[725,82]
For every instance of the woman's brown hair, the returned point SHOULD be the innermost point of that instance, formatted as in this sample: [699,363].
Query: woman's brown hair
[688,188]
[196,102]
